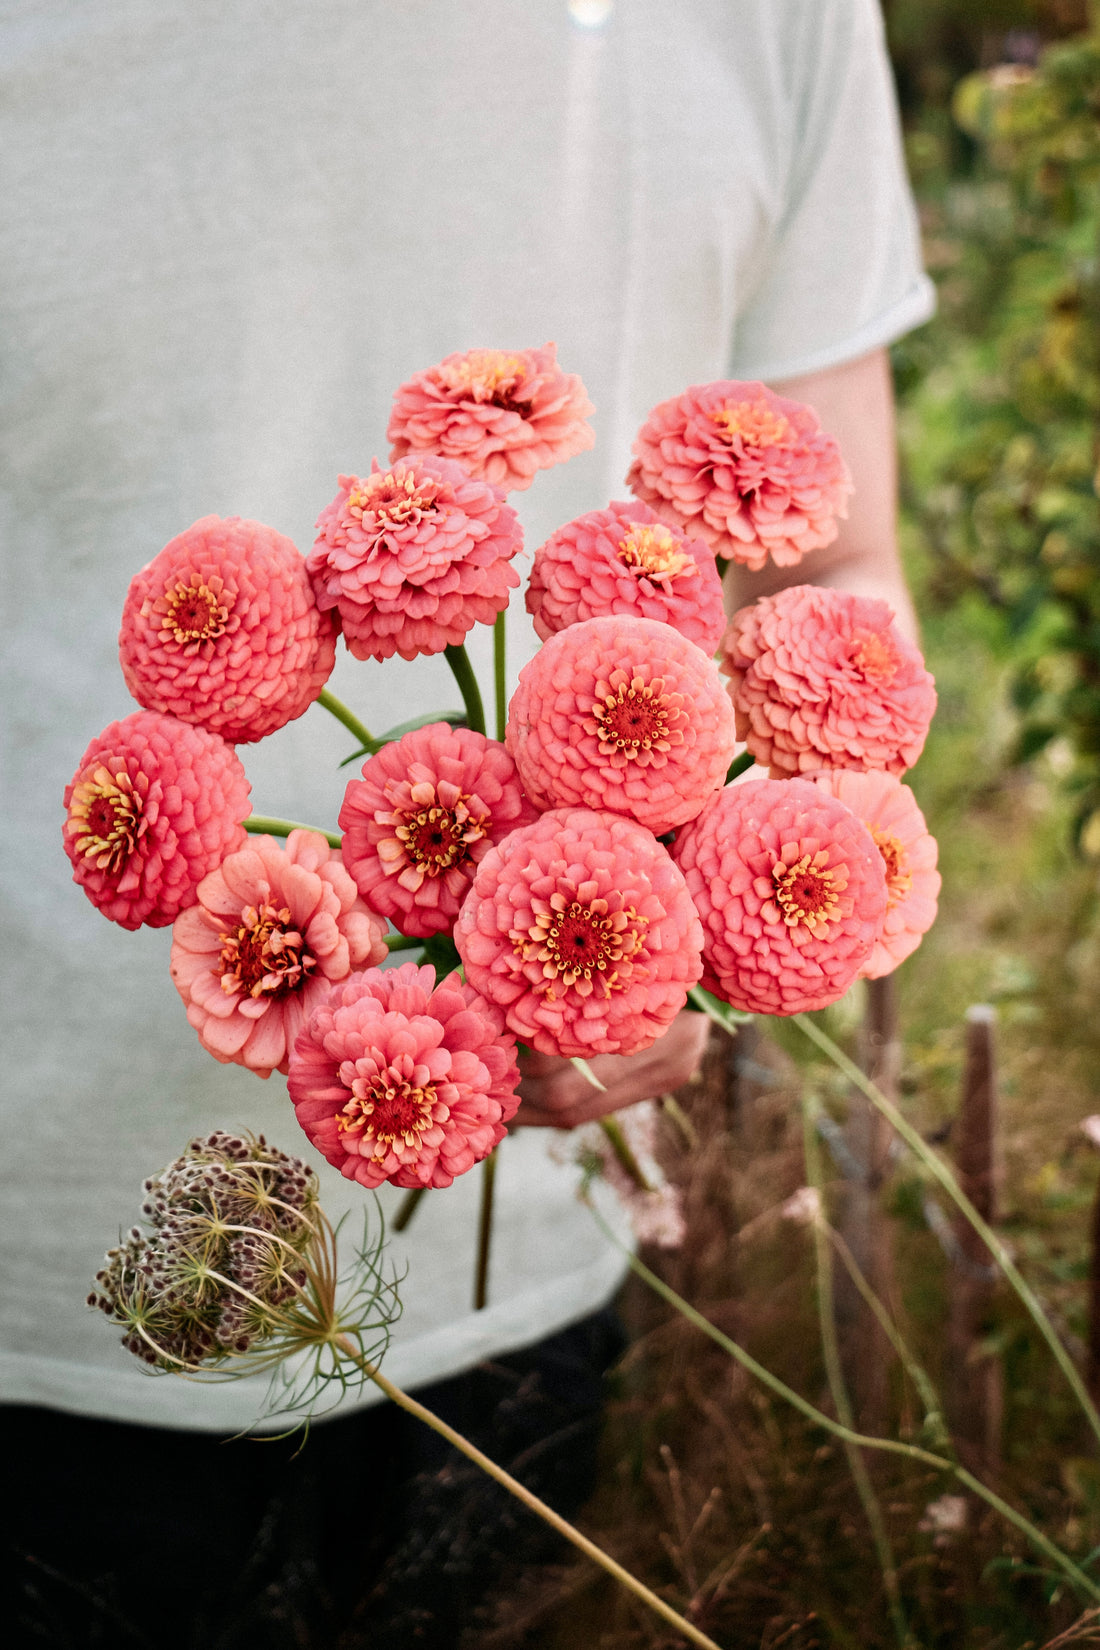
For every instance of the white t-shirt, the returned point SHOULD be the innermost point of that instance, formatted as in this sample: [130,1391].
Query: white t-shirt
[230,229]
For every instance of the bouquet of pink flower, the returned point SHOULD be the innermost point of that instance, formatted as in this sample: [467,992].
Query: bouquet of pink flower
[573,882]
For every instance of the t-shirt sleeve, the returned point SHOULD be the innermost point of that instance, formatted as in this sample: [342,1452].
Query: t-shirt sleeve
[841,274]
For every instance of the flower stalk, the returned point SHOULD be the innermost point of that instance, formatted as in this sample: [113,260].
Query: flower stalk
[337,708]
[265,825]
[463,672]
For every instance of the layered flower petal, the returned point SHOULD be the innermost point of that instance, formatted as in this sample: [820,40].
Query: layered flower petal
[396,1078]
[889,810]
[154,805]
[502,415]
[274,925]
[222,629]
[625,560]
[622,714]
[413,557]
[427,809]
[824,679]
[750,471]
[581,928]
[791,889]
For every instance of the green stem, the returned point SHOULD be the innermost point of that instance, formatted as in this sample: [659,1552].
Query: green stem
[407,1209]
[740,764]
[403,942]
[521,1493]
[484,1232]
[343,714]
[261,825]
[620,1145]
[942,1173]
[834,1371]
[463,672]
[889,1446]
[500,674]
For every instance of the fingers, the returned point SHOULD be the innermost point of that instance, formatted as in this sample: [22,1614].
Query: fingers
[556,1095]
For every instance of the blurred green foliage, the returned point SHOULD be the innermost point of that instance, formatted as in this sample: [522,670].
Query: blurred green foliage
[1001,393]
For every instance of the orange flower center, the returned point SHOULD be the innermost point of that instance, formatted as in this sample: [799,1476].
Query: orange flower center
[808,891]
[485,375]
[193,613]
[875,656]
[264,956]
[756,424]
[390,499]
[105,817]
[436,837]
[899,878]
[386,1109]
[652,553]
[631,716]
[581,942]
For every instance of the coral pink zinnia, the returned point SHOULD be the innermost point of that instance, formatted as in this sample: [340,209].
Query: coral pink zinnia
[397,1078]
[502,415]
[792,893]
[748,470]
[889,810]
[824,679]
[624,560]
[426,810]
[153,806]
[414,556]
[622,713]
[274,926]
[582,929]
[222,629]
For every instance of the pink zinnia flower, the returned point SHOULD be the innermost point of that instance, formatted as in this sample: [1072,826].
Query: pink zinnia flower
[502,415]
[413,557]
[426,810]
[624,560]
[792,893]
[397,1078]
[824,679]
[274,926]
[748,470]
[889,810]
[625,714]
[582,929]
[153,806]
[222,629]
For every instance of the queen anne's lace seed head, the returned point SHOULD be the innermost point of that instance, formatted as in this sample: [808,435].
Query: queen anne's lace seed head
[791,889]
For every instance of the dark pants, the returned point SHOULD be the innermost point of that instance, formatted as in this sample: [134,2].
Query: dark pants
[374,1532]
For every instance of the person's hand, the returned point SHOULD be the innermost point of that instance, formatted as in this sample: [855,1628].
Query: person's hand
[556,1095]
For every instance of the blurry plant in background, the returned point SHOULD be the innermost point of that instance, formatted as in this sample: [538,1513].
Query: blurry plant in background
[1003,390]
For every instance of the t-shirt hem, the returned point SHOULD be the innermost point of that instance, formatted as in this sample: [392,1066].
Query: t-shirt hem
[917,306]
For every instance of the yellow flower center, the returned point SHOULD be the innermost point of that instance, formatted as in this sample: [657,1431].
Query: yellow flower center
[582,943]
[808,891]
[437,837]
[757,425]
[631,716]
[485,375]
[193,613]
[651,552]
[899,878]
[264,956]
[388,1110]
[105,817]
[390,499]
[875,656]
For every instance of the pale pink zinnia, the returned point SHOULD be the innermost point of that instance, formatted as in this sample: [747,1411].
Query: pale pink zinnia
[222,629]
[791,889]
[414,556]
[581,928]
[889,810]
[397,1078]
[624,560]
[273,927]
[750,471]
[153,806]
[426,810]
[625,714]
[501,414]
[824,679]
